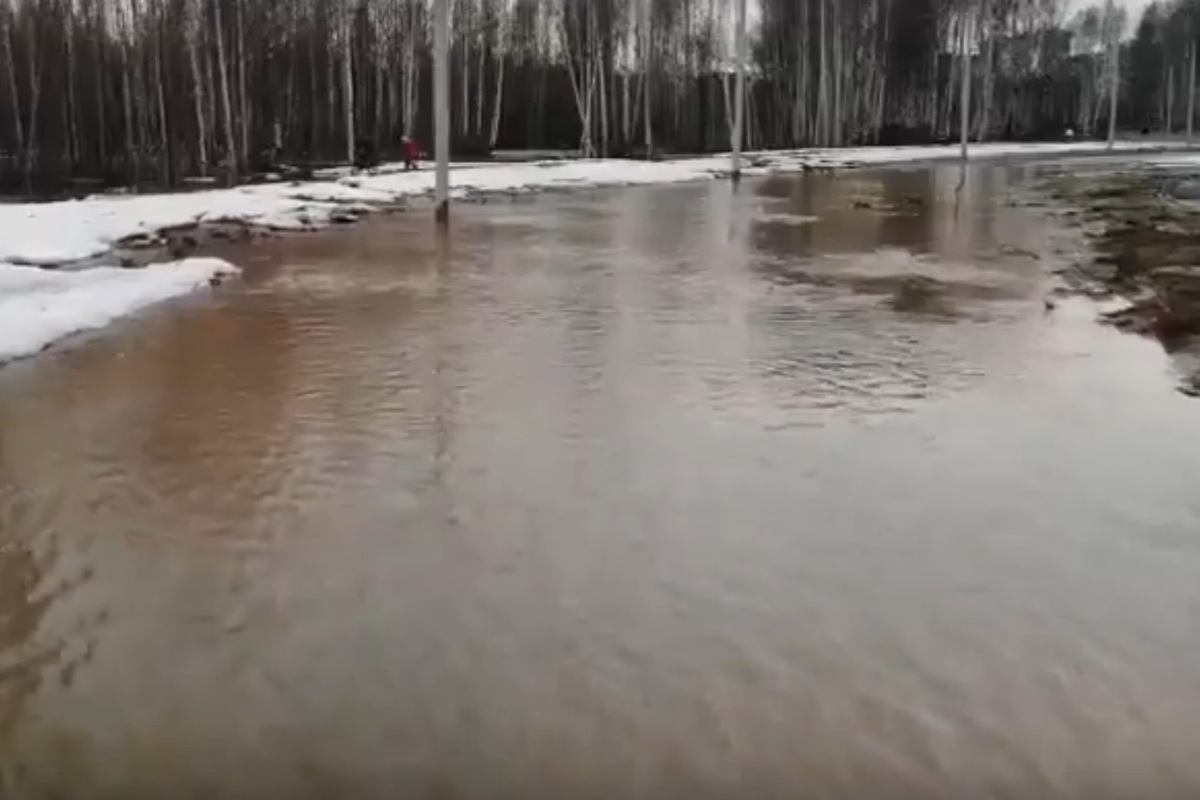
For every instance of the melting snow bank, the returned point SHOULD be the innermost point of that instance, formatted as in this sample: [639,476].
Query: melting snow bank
[38,307]
[65,232]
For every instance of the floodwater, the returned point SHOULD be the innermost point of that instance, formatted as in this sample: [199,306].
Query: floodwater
[677,492]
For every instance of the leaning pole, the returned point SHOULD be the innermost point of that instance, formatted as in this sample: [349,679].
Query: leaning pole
[441,105]
[739,93]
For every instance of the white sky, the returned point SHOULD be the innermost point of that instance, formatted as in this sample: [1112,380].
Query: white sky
[1135,8]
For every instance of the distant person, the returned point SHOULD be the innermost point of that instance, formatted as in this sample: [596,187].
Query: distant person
[412,152]
[1069,133]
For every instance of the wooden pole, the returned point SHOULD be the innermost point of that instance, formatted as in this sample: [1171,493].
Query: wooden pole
[1191,98]
[441,104]
[964,100]
[647,104]
[739,95]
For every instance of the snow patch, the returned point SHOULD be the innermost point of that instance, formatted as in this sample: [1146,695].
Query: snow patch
[38,307]
[786,219]
[64,232]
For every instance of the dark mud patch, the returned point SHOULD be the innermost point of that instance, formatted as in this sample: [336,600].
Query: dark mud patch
[1145,248]
[204,237]
[182,241]
[909,204]
[918,294]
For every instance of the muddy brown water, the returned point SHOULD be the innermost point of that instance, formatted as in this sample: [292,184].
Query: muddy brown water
[643,493]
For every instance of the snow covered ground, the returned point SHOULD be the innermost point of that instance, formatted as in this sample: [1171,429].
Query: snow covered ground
[63,232]
[1176,160]
[37,307]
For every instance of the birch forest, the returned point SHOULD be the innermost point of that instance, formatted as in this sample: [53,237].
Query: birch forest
[162,92]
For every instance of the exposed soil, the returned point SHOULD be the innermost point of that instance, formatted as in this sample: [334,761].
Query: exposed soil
[1146,249]
[181,241]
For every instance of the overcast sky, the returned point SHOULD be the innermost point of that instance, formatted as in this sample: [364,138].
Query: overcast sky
[1135,7]
[1135,10]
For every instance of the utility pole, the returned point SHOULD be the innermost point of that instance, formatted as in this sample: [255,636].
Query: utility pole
[739,95]
[441,106]
[964,100]
[1191,101]
[647,46]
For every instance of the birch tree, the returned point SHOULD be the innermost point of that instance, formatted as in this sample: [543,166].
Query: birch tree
[165,90]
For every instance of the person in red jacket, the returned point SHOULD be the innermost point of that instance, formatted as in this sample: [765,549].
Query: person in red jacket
[412,152]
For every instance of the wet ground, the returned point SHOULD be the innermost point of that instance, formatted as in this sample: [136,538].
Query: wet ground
[802,491]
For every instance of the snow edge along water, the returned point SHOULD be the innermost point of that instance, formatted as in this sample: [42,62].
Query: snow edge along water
[40,307]
[57,233]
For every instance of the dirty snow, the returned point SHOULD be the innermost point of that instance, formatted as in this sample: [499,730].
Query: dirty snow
[38,306]
[63,232]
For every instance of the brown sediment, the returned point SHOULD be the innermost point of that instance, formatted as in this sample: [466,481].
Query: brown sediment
[1146,249]
[181,241]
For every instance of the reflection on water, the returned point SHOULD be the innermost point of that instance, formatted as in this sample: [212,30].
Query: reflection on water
[672,492]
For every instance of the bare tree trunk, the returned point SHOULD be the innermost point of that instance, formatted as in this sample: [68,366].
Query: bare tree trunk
[101,115]
[840,73]
[989,57]
[35,95]
[193,31]
[581,86]
[73,148]
[824,122]
[464,98]
[1191,98]
[166,168]
[497,102]
[243,103]
[380,83]
[1114,80]
[626,116]
[11,71]
[211,80]
[131,158]
[410,72]
[603,86]
[1168,117]
[231,154]
[480,91]
[348,85]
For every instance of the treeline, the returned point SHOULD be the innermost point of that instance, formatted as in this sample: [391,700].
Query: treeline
[1161,59]
[164,91]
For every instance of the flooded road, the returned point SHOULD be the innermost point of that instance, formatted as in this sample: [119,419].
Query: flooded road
[674,492]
